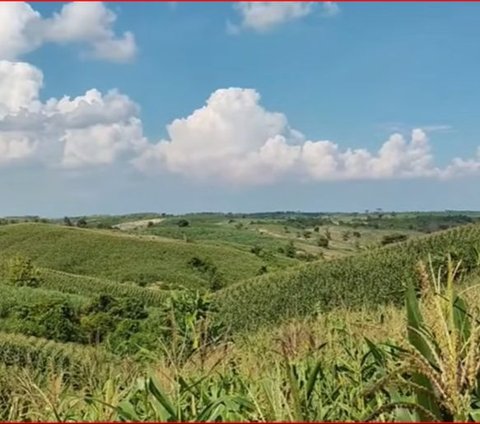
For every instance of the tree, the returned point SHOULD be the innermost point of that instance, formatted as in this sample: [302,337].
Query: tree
[67,221]
[81,223]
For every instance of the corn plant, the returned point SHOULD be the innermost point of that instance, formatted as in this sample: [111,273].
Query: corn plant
[441,367]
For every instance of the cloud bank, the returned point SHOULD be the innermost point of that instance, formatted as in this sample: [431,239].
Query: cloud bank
[232,139]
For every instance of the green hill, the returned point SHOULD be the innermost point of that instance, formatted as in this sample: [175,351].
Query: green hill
[369,279]
[121,257]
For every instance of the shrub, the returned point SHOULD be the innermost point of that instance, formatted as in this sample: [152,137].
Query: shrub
[322,241]
[183,223]
[55,320]
[393,238]
[21,272]
[290,250]
[256,250]
[81,223]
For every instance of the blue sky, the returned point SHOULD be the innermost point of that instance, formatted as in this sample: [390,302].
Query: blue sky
[302,99]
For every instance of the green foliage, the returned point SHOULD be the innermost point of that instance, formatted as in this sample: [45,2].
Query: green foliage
[119,257]
[393,238]
[322,241]
[190,324]
[70,359]
[21,272]
[54,319]
[90,286]
[369,279]
[105,315]
[183,223]
[256,250]
[82,223]
[289,250]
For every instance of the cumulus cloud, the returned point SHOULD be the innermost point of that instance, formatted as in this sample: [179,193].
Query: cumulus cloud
[234,139]
[20,84]
[88,130]
[231,139]
[23,30]
[264,16]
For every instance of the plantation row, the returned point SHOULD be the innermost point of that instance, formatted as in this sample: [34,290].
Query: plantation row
[369,279]
[90,286]
[124,258]
[46,355]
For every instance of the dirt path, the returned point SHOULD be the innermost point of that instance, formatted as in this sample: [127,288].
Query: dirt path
[133,225]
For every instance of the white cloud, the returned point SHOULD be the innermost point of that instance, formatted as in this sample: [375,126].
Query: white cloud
[20,84]
[264,16]
[235,140]
[23,30]
[14,147]
[231,139]
[89,130]
[101,144]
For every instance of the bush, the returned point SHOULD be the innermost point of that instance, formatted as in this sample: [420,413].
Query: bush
[393,238]
[81,223]
[256,250]
[21,272]
[183,223]
[55,320]
[322,241]
[290,250]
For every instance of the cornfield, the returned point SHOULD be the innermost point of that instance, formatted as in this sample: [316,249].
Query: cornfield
[369,279]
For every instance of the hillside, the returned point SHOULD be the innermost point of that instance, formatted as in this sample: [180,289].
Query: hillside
[121,257]
[367,279]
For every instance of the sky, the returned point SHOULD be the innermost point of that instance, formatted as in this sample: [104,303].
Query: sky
[238,107]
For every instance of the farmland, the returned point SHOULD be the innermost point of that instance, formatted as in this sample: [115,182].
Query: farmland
[240,317]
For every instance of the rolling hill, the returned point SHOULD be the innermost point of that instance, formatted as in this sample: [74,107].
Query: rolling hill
[368,279]
[121,257]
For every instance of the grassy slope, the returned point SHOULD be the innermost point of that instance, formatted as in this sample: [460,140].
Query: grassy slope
[367,279]
[121,257]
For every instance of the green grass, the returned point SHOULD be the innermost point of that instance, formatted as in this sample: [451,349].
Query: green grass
[120,257]
[368,279]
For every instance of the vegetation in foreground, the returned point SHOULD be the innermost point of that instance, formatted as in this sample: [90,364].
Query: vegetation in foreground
[411,364]
[91,347]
